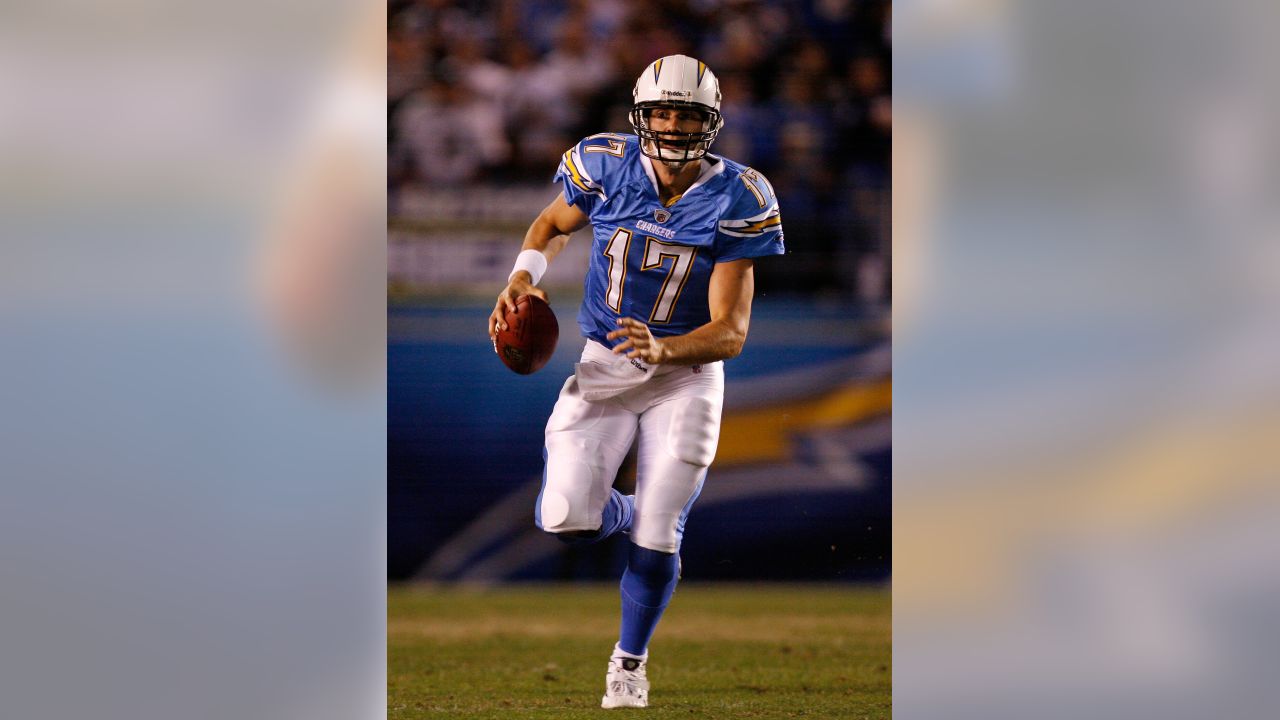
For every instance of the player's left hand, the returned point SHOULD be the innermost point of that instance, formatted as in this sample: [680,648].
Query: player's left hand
[639,343]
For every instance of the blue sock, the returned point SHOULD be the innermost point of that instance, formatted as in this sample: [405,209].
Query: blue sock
[618,512]
[647,585]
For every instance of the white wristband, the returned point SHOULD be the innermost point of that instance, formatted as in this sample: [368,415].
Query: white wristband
[531,261]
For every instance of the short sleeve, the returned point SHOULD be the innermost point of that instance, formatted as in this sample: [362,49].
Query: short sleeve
[752,226]
[581,174]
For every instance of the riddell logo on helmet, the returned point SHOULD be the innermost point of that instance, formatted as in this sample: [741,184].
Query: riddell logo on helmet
[667,94]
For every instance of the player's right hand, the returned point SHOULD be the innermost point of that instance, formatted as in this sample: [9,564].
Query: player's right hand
[518,286]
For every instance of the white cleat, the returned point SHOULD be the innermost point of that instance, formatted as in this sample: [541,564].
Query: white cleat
[626,684]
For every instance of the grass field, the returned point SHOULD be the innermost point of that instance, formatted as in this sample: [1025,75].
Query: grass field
[722,651]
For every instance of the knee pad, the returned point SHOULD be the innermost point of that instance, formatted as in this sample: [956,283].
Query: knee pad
[663,505]
[572,497]
[553,510]
[662,530]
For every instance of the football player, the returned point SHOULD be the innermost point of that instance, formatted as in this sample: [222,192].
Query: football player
[668,292]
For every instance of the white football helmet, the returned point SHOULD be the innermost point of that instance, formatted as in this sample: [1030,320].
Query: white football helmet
[676,81]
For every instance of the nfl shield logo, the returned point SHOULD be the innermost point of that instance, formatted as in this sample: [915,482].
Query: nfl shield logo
[661,215]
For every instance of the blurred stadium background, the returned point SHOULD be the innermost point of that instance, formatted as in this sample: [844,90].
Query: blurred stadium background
[483,97]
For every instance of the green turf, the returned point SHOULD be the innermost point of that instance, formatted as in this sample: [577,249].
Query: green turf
[722,651]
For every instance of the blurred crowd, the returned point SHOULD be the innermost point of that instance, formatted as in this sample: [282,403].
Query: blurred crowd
[493,91]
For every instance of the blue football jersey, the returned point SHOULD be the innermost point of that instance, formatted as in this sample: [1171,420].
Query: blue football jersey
[653,262]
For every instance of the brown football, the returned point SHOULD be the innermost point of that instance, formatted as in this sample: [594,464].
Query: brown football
[530,338]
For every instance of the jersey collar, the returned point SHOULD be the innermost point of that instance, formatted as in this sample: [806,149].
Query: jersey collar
[709,170]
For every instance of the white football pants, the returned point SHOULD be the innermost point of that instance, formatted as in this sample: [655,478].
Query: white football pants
[675,412]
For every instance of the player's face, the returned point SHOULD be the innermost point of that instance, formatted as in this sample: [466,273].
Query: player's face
[677,121]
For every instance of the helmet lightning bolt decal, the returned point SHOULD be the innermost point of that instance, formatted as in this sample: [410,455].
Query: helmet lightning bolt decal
[657,69]
[702,69]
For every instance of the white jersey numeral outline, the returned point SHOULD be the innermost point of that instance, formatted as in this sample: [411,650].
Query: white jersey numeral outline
[614,148]
[750,177]
[655,254]
[616,251]
[682,256]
